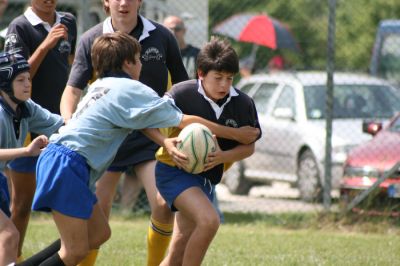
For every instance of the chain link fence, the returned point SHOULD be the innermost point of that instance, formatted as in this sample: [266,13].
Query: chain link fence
[283,50]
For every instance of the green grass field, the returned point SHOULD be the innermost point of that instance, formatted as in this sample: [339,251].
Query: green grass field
[255,239]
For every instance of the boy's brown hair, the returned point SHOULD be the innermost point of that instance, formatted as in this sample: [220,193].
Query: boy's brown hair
[217,55]
[110,50]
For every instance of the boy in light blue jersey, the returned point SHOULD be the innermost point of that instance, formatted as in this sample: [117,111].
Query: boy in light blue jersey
[84,148]
[81,151]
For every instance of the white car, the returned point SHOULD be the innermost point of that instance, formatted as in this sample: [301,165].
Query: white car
[291,109]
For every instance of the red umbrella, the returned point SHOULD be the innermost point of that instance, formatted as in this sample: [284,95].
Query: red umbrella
[258,29]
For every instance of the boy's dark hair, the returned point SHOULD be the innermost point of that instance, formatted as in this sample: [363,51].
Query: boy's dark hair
[217,55]
[110,50]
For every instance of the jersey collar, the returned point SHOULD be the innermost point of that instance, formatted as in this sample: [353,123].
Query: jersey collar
[147,27]
[119,74]
[217,109]
[36,20]
[24,110]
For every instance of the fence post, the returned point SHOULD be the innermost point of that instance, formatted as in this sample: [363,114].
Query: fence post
[360,197]
[329,104]
[84,14]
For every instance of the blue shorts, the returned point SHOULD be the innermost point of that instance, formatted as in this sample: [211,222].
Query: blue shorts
[4,196]
[24,164]
[62,183]
[171,182]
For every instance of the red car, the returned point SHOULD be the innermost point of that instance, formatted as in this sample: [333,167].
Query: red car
[370,160]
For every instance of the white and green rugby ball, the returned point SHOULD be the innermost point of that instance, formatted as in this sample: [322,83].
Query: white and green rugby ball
[196,143]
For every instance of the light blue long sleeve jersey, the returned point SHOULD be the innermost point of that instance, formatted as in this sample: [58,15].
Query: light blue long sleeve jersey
[121,105]
[37,119]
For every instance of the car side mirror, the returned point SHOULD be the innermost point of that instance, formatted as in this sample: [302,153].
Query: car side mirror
[371,127]
[284,113]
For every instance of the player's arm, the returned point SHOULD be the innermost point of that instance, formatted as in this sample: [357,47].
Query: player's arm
[33,149]
[244,135]
[11,154]
[238,153]
[56,33]
[155,135]
[69,100]
[169,144]
[80,74]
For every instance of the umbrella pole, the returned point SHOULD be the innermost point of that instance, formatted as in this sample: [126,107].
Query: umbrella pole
[253,54]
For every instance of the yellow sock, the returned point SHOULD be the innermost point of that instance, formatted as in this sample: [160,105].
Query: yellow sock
[90,258]
[158,238]
[20,259]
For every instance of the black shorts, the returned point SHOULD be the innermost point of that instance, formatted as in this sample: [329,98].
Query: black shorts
[135,149]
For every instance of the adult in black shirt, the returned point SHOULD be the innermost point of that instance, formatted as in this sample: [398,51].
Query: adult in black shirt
[188,52]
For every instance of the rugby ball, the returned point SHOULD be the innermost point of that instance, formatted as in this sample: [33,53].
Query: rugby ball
[196,143]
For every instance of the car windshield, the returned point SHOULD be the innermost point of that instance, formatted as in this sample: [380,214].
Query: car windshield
[389,65]
[353,101]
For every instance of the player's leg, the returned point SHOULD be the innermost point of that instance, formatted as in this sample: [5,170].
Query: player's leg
[98,233]
[74,238]
[193,204]
[80,235]
[9,238]
[130,191]
[183,228]
[22,191]
[96,239]
[161,222]
[106,187]
[159,209]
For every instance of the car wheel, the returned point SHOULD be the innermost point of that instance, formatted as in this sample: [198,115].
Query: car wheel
[235,180]
[308,181]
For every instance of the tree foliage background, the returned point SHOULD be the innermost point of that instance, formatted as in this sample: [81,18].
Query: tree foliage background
[356,25]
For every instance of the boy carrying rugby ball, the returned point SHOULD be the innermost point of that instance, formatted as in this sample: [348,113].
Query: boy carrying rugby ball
[213,98]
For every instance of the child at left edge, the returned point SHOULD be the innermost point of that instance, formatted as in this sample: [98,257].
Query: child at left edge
[18,115]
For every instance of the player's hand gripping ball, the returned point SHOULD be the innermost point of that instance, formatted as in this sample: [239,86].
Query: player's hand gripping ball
[196,143]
